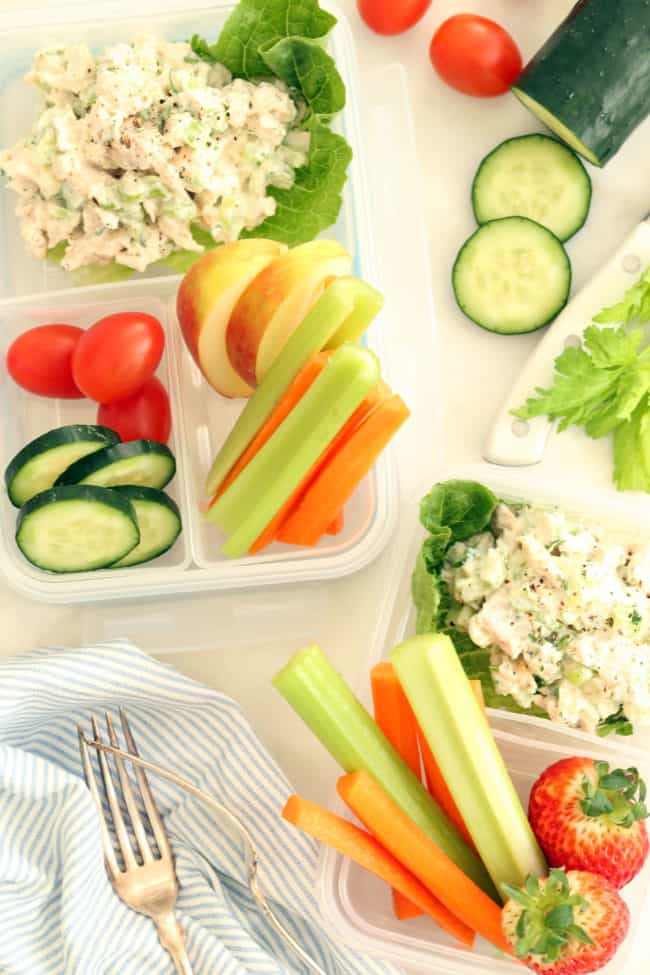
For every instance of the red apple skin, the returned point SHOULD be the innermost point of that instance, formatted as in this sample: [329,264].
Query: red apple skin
[276,302]
[205,300]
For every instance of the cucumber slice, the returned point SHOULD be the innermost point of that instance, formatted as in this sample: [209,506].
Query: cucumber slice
[512,276]
[537,177]
[159,521]
[144,463]
[37,466]
[76,529]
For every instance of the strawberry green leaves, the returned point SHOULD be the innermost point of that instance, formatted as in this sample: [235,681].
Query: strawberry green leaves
[604,386]
[618,796]
[547,921]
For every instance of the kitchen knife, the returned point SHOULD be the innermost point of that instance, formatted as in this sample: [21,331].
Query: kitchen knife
[518,443]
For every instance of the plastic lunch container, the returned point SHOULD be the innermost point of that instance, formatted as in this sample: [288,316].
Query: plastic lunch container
[357,907]
[32,293]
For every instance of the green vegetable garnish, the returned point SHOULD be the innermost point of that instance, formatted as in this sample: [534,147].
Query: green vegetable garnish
[284,39]
[605,387]
[453,724]
[320,696]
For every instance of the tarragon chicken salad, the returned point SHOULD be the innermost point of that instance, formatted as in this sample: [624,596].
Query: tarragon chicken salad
[552,614]
[134,145]
[152,151]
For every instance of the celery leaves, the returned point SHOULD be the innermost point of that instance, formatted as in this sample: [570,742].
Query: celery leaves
[604,387]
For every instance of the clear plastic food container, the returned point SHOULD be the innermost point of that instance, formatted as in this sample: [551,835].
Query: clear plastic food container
[356,905]
[34,293]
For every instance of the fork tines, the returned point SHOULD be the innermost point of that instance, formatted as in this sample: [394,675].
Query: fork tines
[123,797]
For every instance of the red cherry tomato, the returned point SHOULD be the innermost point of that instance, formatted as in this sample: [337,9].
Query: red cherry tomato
[392,16]
[143,416]
[475,55]
[117,355]
[40,360]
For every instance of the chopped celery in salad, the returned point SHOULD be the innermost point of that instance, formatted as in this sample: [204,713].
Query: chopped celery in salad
[549,613]
[153,151]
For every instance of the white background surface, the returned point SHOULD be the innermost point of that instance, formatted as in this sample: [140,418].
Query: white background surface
[242,641]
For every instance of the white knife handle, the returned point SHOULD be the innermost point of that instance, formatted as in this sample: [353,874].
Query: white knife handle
[517,443]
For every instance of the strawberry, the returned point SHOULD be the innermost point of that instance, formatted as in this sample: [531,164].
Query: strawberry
[588,818]
[565,924]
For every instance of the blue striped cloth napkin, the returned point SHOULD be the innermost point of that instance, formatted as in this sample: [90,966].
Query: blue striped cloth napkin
[58,912]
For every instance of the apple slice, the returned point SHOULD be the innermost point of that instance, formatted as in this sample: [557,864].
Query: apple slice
[207,295]
[347,305]
[275,303]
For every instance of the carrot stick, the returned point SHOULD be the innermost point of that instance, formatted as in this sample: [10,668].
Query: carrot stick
[294,393]
[477,689]
[435,780]
[337,525]
[365,850]
[403,908]
[271,532]
[391,827]
[336,482]
[395,717]
[394,714]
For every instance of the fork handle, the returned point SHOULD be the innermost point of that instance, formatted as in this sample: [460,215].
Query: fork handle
[172,939]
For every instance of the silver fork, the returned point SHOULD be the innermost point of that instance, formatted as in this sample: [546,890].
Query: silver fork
[149,887]
[132,756]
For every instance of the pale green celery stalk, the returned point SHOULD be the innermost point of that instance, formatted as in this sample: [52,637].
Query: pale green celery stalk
[248,505]
[347,305]
[320,696]
[454,725]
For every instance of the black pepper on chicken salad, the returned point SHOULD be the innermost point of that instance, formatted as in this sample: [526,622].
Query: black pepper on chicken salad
[135,145]
[156,151]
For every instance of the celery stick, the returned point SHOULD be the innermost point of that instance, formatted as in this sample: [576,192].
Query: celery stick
[251,501]
[367,304]
[348,305]
[318,693]
[433,679]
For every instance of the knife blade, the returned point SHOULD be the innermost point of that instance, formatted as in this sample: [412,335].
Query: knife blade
[519,443]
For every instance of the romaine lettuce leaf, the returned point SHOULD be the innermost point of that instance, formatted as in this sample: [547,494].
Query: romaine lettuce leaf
[284,39]
[310,72]
[465,507]
[91,273]
[255,25]
[314,201]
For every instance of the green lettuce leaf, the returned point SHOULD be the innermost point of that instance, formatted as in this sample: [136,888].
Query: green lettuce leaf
[284,39]
[256,25]
[310,72]
[476,664]
[314,201]
[427,593]
[464,507]
[91,273]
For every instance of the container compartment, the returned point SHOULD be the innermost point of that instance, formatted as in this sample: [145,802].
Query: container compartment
[357,906]
[201,418]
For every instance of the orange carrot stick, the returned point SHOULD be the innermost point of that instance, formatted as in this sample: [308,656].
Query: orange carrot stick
[363,849]
[434,778]
[336,527]
[477,689]
[391,827]
[403,908]
[270,533]
[395,717]
[336,482]
[394,714]
[309,372]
